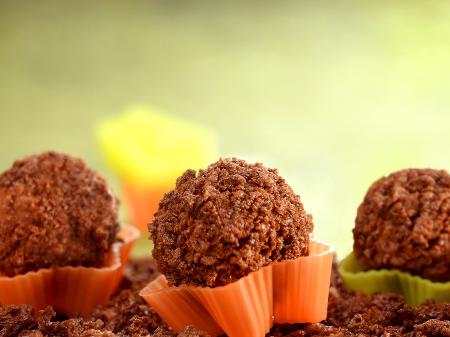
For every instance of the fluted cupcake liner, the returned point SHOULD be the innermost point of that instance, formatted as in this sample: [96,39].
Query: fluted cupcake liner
[70,290]
[242,308]
[178,308]
[415,289]
[293,291]
[301,286]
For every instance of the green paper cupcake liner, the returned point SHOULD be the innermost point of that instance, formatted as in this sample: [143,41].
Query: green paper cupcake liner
[414,289]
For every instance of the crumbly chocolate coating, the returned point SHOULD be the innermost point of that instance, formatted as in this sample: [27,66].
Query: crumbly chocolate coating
[404,223]
[54,211]
[227,221]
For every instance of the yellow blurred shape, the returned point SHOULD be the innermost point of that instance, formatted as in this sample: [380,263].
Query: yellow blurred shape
[146,147]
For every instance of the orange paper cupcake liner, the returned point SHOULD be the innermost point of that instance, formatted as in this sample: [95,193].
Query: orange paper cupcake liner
[142,203]
[70,290]
[178,308]
[301,286]
[292,291]
[241,308]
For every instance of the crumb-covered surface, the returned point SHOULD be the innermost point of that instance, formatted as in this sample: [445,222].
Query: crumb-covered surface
[224,222]
[350,314]
[404,223]
[54,211]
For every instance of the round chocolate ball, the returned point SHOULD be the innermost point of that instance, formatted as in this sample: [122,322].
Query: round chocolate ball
[54,211]
[222,223]
[404,223]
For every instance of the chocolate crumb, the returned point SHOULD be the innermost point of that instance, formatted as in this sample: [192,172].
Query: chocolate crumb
[139,272]
[191,331]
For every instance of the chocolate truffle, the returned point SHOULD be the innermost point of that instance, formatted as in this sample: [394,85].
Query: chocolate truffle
[54,211]
[227,221]
[404,223]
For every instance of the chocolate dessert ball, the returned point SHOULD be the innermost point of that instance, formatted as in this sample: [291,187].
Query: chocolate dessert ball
[54,211]
[404,223]
[227,221]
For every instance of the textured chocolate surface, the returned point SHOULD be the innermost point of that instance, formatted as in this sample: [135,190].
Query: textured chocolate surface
[227,221]
[54,211]
[350,314]
[404,223]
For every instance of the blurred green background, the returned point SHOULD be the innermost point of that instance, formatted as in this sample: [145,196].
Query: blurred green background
[333,94]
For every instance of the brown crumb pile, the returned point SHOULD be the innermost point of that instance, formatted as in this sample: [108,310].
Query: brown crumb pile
[54,211]
[350,314]
[404,223]
[224,222]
